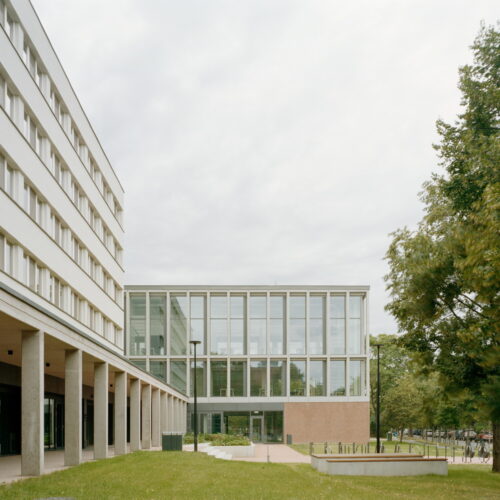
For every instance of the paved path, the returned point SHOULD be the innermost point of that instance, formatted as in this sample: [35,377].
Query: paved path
[278,453]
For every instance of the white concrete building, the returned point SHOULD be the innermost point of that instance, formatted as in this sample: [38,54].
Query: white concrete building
[61,270]
[274,361]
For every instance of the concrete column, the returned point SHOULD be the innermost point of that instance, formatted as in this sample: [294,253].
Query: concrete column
[155,417]
[171,414]
[32,394]
[73,408]
[163,412]
[120,413]
[146,416]
[101,410]
[135,415]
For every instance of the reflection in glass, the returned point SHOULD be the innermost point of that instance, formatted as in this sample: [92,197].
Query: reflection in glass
[297,378]
[178,324]
[158,368]
[277,324]
[355,344]
[201,378]
[317,378]
[316,324]
[278,377]
[357,378]
[218,324]
[297,344]
[218,375]
[238,378]
[178,375]
[157,324]
[137,346]
[258,378]
[258,324]
[337,377]
[198,322]
[237,324]
[337,324]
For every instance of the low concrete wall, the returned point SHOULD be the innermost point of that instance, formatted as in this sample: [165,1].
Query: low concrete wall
[320,461]
[238,451]
[388,467]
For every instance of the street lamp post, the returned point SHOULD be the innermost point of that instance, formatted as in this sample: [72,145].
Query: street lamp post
[195,407]
[378,396]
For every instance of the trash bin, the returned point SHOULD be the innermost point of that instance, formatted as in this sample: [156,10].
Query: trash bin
[389,436]
[289,439]
[171,441]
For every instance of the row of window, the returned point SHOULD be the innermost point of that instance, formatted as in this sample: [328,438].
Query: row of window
[48,89]
[240,324]
[263,378]
[42,213]
[24,267]
[61,173]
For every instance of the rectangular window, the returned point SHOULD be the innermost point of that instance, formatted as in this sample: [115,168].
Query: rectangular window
[157,324]
[238,378]
[278,378]
[258,378]
[337,377]
[317,378]
[137,345]
[218,376]
[218,324]
[178,375]
[357,386]
[277,324]
[2,252]
[201,378]
[178,324]
[237,324]
[258,324]
[355,344]
[198,330]
[297,342]
[297,377]
[337,324]
[316,324]
[158,368]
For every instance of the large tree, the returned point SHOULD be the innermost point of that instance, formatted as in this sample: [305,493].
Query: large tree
[444,277]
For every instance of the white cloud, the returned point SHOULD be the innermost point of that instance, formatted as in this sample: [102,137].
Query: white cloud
[266,141]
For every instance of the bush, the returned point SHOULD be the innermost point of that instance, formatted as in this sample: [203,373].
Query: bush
[218,439]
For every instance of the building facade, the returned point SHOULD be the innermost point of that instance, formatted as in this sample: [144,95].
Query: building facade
[273,361]
[61,270]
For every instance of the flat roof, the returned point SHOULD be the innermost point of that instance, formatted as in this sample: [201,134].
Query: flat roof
[360,288]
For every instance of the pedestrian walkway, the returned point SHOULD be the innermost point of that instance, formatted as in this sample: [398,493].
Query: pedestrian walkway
[277,453]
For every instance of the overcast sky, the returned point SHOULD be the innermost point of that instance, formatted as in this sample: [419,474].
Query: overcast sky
[266,142]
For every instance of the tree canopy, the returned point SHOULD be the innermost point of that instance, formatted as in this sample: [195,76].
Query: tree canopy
[444,276]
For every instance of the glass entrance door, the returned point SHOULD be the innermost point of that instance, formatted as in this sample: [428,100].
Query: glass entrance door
[256,429]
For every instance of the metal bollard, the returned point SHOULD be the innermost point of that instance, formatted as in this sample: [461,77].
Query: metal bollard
[310,448]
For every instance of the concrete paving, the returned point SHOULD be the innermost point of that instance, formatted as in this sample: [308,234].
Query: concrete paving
[10,466]
[277,453]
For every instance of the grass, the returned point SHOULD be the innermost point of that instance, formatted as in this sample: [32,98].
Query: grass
[174,475]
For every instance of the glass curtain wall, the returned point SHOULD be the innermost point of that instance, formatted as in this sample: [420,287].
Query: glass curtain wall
[178,324]
[317,378]
[337,377]
[337,324]
[218,324]
[258,324]
[197,325]
[158,368]
[178,375]
[238,378]
[297,377]
[297,340]
[201,378]
[157,324]
[277,370]
[277,324]
[316,324]
[137,345]
[357,386]
[356,346]
[238,341]
[218,376]
[258,378]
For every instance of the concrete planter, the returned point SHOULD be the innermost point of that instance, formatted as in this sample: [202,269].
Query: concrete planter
[237,451]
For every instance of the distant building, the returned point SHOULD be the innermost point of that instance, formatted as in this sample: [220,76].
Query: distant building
[273,360]
[61,271]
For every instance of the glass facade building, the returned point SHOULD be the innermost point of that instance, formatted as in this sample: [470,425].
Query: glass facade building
[261,348]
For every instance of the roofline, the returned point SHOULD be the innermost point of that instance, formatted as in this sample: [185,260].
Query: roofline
[250,287]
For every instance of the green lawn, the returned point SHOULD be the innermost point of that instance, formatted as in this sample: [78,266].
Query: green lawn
[147,475]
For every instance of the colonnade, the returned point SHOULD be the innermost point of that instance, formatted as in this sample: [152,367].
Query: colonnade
[154,407]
